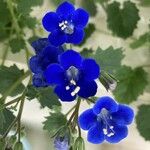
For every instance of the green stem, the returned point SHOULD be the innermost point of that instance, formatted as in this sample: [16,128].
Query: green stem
[11,102]
[75,113]
[14,86]
[70,110]
[18,116]
[4,56]
[15,21]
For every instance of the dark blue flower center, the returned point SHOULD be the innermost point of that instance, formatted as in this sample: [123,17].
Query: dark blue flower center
[105,118]
[67,27]
[72,75]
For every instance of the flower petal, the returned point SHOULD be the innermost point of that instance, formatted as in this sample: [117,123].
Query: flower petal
[70,58]
[38,80]
[65,9]
[87,119]
[95,134]
[80,18]
[34,64]
[124,115]
[120,132]
[87,89]
[57,38]
[107,103]
[50,21]
[54,74]
[91,69]
[39,44]
[49,55]
[76,37]
[63,94]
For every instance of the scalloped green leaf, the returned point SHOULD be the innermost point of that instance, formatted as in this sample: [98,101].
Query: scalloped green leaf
[45,96]
[122,21]
[17,45]
[54,122]
[8,77]
[142,121]
[7,118]
[25,6]
[132,83]
[109,59]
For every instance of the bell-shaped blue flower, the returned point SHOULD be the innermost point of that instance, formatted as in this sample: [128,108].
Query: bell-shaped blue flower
[107,120]
[61,143]
[66,24]
[73,76]
[46,54]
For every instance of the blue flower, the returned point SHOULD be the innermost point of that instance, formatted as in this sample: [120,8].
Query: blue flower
[46,54]
[61,143]
[73,76]
[107,120]
[66,24]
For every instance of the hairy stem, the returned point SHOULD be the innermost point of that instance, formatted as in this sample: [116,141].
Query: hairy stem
[18,116]
[70,110]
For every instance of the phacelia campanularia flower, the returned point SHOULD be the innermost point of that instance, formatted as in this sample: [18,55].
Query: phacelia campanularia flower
[46,54]
[66,24]
[61,143]
[107,120]
[73,76]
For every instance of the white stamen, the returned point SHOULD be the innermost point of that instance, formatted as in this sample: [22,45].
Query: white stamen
[110,134]
[111,127]
[73,82]
[67,87]
[73,93]
[105,131]
[66,22]
[77,89]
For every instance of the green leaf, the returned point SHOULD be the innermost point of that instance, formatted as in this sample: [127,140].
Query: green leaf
[90,6]
[27,21]
[8,77]
[145,3]
[58,2]
[48,98]
[132,83]
[143,122]
[45,96]
[4,14]
[25,6]
[89,30]
[87,53]
[31,92]
[7,118]
[54,122]
[17,45]
[122,21]
[143,39]
[109,59]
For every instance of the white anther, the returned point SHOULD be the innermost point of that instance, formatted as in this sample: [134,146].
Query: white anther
[66,22]
[62,28]
[111,127]
[73,93]
[67,87]
[105,131]
[110,134]
[77,89]
[61,24]
[73,82]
